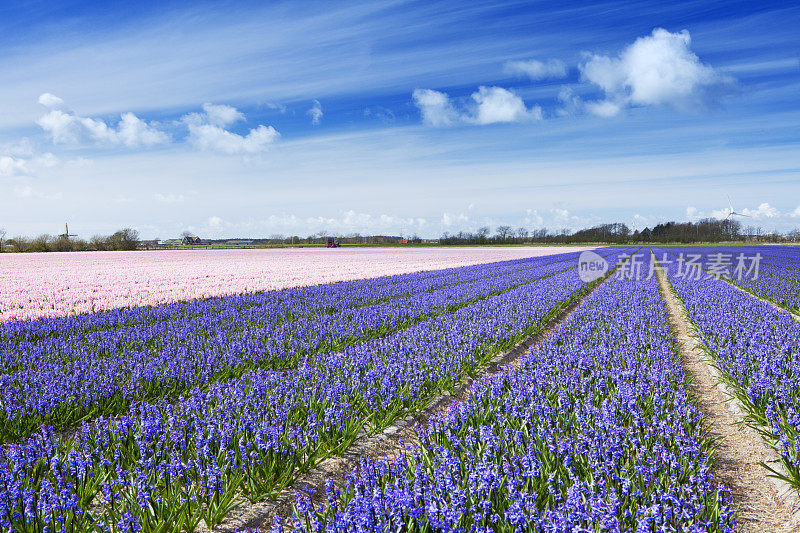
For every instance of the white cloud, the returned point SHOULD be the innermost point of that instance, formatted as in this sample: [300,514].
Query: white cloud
[495,104]
[351,218]
[449,220]
[50,100]
[11,166]
[570,103]
[214,222]
[764,210]
[27,191]
[795,213]
[23,147]
[533,217]
[23,191]
[391,220]
[315,113]
[719,214]
[354,220]
[489,105]
[206,131]
[214,138]
[66,127]
[604,108]
[277,107]
[350,221]
[381,113]
[537,70]
[656,69]
[221,115]
[133,131]
[435,106]
[169,198]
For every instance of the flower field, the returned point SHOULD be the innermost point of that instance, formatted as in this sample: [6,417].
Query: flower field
[164,415]
[58,284]
[594,432]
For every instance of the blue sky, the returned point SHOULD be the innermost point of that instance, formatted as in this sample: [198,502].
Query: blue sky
[243,119]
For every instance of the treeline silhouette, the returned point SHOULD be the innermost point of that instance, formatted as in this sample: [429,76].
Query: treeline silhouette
[124,239]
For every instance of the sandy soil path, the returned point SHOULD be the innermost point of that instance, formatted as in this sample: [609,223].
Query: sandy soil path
[764,505]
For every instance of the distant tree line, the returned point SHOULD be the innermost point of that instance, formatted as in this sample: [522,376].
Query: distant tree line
[124,239]
[316,238]
[706,230]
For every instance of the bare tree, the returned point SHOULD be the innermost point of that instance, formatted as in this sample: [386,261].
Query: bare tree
[483,232]
[2,236]
[522,233]
[503,232]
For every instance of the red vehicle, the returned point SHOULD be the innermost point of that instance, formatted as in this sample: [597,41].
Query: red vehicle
[332,243]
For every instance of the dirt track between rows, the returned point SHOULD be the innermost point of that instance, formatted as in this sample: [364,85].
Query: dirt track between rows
[763,505]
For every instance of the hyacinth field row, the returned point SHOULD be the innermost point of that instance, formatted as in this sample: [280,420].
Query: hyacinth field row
[164,418]
[60,371]
[594,432]
[176,461]
[756,347]
[777,276]
[61,284]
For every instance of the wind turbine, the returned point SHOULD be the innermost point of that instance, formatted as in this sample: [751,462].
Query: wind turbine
[732,213]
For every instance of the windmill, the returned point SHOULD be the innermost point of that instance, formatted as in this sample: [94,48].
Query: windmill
[66,233]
